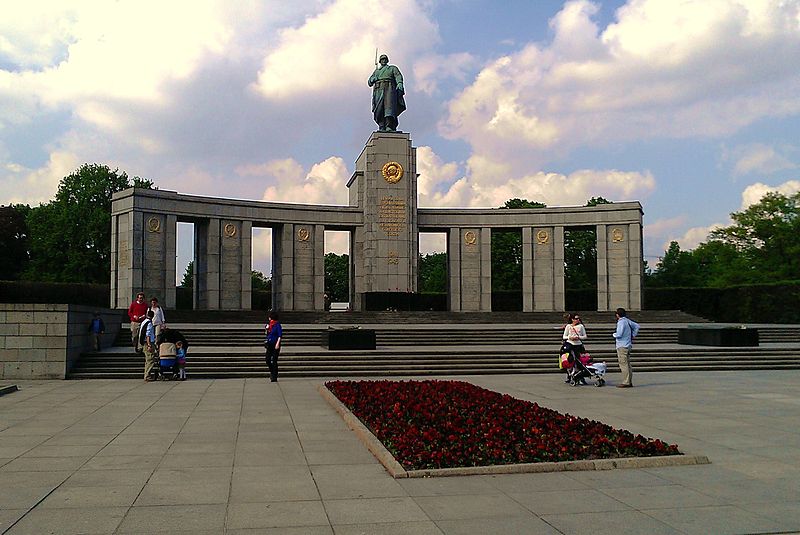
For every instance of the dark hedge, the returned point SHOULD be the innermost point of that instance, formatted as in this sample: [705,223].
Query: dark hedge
[96,295]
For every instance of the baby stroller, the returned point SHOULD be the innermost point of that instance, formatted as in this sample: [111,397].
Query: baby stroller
[168,362]
[582,368]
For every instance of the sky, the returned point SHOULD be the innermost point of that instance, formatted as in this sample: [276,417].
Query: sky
[691,107]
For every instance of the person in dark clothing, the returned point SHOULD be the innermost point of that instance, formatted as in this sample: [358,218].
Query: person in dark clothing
[96,328]
[274,332]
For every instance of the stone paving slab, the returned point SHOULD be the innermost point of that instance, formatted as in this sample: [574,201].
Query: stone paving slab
[248,456]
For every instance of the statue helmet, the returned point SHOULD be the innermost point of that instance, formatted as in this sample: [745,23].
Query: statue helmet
[384,56]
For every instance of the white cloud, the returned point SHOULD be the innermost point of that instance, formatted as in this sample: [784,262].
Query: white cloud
[754,192]
[490,184]
[331,51]
[757,158]
[659,71]
[33,186]
[324,183]
[694,236]
[430,70]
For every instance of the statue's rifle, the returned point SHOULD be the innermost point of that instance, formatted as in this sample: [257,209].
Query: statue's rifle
[376,56]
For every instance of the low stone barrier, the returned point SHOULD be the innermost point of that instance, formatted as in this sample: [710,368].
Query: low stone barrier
[42,341]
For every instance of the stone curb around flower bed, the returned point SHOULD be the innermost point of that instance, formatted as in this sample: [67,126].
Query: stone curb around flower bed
[364,435]
[396,470]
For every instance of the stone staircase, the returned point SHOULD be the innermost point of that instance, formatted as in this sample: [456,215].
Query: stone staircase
[406,348]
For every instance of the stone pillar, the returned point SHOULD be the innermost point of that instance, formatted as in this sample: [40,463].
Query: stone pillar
[602,268]
[622,266]
[356,269]
[299,277]
[158,257]
[545,272]
[234,263]
[247,265]
[207,264]
[125,246]
[635,265]
[559,298]
[385,185]
[454,269]
[527,269]
[470,269]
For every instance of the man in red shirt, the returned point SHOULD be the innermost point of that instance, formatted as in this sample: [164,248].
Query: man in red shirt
[137,312]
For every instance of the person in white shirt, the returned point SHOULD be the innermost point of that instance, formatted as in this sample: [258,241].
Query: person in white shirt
[158,316]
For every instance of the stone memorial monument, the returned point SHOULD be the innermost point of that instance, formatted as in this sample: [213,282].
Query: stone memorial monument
[384,223]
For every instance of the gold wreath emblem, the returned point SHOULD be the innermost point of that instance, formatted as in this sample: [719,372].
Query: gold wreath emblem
[542,237]
[392,172]
[617,235]
[154,224]
[230,230]
[470,238]
[302,234]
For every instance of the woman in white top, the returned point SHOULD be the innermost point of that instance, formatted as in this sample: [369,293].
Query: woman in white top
[158,316]
[574,335]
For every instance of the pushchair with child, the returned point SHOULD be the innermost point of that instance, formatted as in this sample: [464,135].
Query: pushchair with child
[581,368]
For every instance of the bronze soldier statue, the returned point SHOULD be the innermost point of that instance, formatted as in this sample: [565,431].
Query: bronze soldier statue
[387,95]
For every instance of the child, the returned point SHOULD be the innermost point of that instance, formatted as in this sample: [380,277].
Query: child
[180,353]
[97,328]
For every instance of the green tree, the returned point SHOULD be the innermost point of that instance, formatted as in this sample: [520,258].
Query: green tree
[767,235]
[433,273]
[188,276]
[259,281]
[580,254]
[13,241]
[678,268]
[507,251]
[337,279]
[70,237]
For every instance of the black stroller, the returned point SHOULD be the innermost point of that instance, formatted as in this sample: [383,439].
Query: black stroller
[581,368]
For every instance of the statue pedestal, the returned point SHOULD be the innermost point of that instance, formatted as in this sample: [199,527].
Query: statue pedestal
[384,186]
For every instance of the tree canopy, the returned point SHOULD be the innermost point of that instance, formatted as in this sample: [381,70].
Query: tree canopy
[70,237]
[13,241]
[761,246]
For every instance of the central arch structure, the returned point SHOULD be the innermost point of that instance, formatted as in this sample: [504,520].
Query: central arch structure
[384,224]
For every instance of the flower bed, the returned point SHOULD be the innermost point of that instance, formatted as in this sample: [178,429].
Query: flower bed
[451,424]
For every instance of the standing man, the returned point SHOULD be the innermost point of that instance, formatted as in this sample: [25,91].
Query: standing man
[627,330]
[148,338]
[273,343]
[137,312]
[387,95]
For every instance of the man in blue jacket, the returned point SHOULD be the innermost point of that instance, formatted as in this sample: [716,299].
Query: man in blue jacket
[627,330]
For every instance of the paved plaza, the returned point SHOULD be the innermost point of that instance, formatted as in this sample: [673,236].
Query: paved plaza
[245,456]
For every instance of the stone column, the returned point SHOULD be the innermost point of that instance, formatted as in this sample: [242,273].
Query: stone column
[602,268]
[544,269]
[454,269]
[619,265]
[559,299]
[125,276]
[282,268]
[234,263]
[527,269]
[470,265]
[299,277]
[635,267]
[356,268]
[207,264]
[158,257]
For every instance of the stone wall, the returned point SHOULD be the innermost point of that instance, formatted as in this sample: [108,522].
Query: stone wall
[39,341]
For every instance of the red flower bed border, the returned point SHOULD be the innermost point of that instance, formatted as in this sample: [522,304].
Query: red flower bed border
[452,424]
